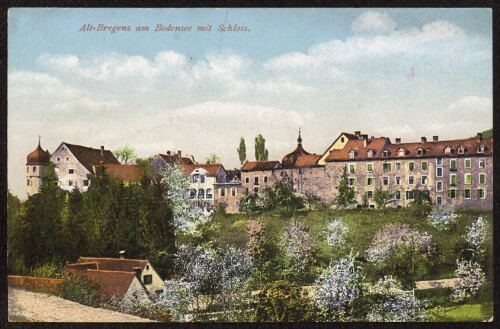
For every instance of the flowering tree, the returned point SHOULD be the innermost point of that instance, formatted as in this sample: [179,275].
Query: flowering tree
[297,246]
[476,238]
[442,217]
[339,287]
[336,232]
[392,304]
[177,296]
[256,238]
[470,279]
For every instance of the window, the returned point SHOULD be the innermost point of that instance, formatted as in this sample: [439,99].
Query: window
[401,152]
[247,180]
[352,154]
[397,195]
[370,154]
[411,166]
[27,169]
[351,168]
[341,139]
[256,190]
[369,181]
[369,167]
[34,169]
[467,163]
[201,193]
[192,193]
[409,195]
[461,149]
[385,180]
[439,161]
[369,194]
[233,191]
[411,180]
[398,180]
[439,201]
[71,171]
[70,183]
[482,163]
[424,180]
[419,152]
[386,167]
[398,166]
[385,154]
[453,164]
[447,150]
[256,180]
[480,149]
[482,178]
[452,194]
[202,178]
[424,165]
[439,172]
[352,182]
[222,192]
[265,179]
[147,267]
[67,159]
[85,182]
[453,179]
[28,182]
[148,279]
[209,193]
[481,193]
[468,179]
[58,159]
[439,186]
[466,193]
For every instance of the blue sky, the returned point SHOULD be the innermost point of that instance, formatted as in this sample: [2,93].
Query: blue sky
[325,70]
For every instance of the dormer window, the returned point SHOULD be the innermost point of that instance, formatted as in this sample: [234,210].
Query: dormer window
[352,154]
[385,154]
[371,153]
[461,149]
[401,152]
[420,152]
[447,150]
[480,149]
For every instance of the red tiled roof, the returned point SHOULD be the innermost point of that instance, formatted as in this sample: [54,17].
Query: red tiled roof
[176,159]
[307,160]
[290,159]
[123,172]
[211,169]
[88,156]
[38,156]
[260,165]
[115,264]
[429,149]
[112,283]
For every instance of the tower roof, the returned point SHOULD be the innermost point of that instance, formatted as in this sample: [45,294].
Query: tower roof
[290,159]
[38,156]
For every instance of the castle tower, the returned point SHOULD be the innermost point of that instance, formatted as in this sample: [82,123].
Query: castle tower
[35,167]
[288,160]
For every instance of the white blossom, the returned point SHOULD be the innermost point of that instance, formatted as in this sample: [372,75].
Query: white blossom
[177,296]
[387,242]
[336,232]
[470,279]
[476,237]
[297,243]
[442,217]
[338,287]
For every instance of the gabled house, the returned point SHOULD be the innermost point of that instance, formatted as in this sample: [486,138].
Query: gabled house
[229,193]
[74,163]
[161,161]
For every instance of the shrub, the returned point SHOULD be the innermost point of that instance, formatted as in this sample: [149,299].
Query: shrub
[47,270]
[144,309]
[81,291]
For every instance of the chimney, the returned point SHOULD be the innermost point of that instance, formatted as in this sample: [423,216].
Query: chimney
[357,133]
[168,153]
[398,140]
[179,153]
[435,138]
[102,150]
[480,136]
[122,254]
[424,140]
[365,140]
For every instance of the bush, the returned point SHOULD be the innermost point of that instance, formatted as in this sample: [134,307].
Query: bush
[81,291]
[47,270]
[436,296]
[148,310]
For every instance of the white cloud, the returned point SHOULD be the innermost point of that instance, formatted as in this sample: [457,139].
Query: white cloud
[372,21]
[472,105]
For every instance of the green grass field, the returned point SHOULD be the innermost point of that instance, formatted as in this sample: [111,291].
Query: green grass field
[466,313]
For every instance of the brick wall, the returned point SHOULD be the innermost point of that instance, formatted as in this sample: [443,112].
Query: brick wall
[44,285]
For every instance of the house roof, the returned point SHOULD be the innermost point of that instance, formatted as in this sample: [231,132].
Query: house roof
[38,156]
[112,283]
[289,160]
[234,174]
[88,156]
[260,165]
[428,149]
[307,161]
[211,169]
[123,172]
[176,159]
[115,264]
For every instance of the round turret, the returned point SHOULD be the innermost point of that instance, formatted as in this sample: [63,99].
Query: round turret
[38,156]
[289,159]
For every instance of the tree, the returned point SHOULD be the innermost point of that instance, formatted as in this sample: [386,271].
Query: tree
[242,151]
[339,288]
[310,192]
[285,196]
[248,203]
[476,239]
[345,193]
[336,232]
[421,204]
[282,301]
[297,245]
[125,154]
[390,303]
[442,217]
[470,279]
[74,227]
[382,198]
[261,153]
[14,234]
[212,159]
